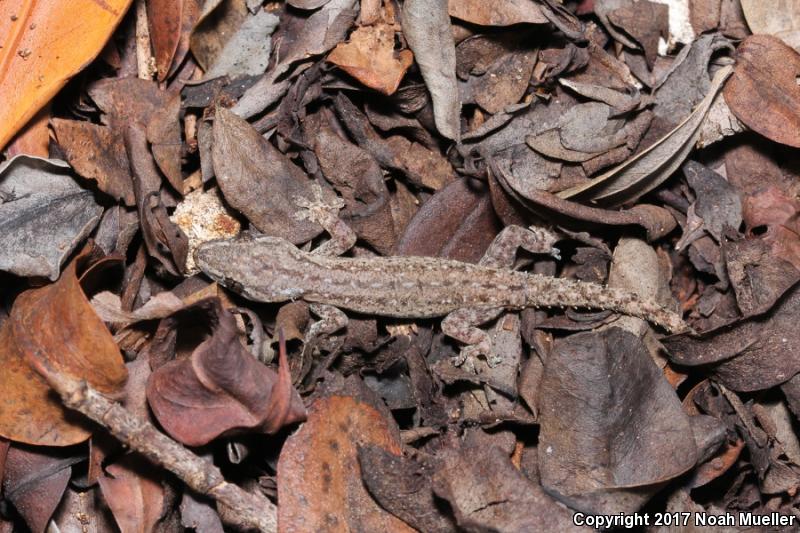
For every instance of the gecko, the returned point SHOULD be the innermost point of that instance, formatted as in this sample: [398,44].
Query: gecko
[271,269]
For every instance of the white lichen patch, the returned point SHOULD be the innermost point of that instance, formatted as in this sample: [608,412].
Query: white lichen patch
[203,217]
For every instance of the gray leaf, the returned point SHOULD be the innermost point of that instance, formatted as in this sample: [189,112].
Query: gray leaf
[426,26]
[44,214]
[247,52]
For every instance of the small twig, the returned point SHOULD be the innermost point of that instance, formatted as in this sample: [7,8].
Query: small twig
[144,55]
[250,510]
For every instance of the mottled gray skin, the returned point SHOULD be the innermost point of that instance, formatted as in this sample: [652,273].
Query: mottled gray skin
[270,269]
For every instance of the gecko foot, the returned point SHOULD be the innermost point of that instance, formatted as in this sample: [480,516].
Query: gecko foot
[470,354]
[319,210]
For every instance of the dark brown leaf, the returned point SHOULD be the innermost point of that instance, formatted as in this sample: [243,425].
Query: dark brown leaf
[34,481]
[604,402]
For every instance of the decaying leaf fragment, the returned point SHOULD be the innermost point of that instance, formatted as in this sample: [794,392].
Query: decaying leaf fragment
[370,57]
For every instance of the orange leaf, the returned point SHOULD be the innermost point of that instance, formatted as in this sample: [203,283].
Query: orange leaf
[370,58]
[44,43]
[55,323]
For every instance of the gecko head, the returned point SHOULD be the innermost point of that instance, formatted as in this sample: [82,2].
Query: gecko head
[248,265]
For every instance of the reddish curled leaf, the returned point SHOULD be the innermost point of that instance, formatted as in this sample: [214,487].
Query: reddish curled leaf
[42,45]
[53,325]
[319,477]
[135,498]
[763,91]
[221,388]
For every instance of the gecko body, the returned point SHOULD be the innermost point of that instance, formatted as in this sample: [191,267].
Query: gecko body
[270,269]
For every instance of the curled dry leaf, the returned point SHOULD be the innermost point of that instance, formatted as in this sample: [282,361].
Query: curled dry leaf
[44,214]
[55,323]
[604,402]
[426,26]
[222,388]
[370,57]
[648,169]
[763,91]
[656,220]
[319,477]
[753,354]
[44,44]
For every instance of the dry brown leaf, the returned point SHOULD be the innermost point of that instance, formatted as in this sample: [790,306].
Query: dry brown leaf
[136,499]
[763,91]
[43,44]
[319,477]
[497,12]
[164,18]
[55,323]
[426,26]
[96,153]
[370,57]
[780,18]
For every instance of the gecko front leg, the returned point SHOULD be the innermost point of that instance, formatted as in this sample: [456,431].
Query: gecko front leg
[462,323]
[326,214]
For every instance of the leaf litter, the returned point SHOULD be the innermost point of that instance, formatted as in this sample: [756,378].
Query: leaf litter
[649,146]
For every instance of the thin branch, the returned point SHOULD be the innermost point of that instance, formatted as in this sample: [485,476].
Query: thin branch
[250,510]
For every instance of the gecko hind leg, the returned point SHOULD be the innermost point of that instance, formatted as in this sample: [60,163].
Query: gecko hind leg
[462,324]
[331,320]
[503,250]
